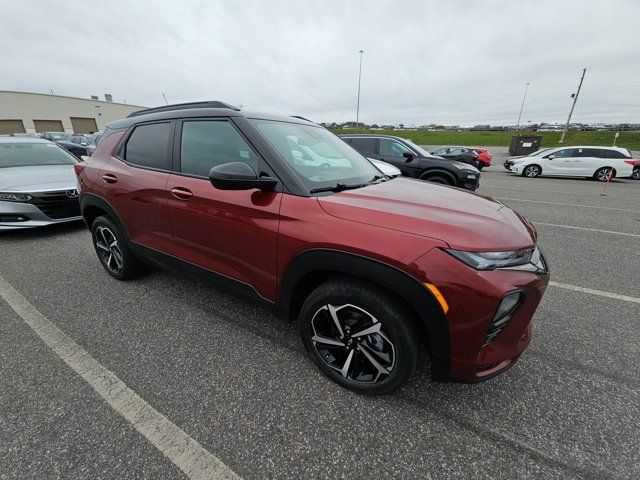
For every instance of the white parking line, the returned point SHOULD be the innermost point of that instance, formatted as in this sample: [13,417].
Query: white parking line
[588,229]
[592,291]
[568,204]
[186,453]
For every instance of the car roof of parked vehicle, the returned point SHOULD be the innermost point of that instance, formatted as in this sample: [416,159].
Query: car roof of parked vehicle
[365,135]
[10,139]
[200,109]
[547,150]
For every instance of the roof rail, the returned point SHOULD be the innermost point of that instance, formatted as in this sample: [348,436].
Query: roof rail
[302,118]
[183,106]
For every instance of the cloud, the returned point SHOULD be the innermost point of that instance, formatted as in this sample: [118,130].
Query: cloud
[425,61]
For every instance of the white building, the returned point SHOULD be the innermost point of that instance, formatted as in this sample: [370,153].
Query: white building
[24,112]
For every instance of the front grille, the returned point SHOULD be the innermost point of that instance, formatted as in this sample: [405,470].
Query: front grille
[58,204]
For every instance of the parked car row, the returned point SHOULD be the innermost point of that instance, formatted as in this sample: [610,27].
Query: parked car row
[599,163]
[81,144]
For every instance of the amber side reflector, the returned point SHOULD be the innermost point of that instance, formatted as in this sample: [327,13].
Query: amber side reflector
[436,293]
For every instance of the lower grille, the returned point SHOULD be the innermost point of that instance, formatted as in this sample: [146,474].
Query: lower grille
[58,204]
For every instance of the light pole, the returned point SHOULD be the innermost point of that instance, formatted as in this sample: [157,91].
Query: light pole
[522,106]
[573,105]
[359,77]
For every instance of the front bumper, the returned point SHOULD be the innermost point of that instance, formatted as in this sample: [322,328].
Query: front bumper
[473,298]
[469,181]
[19,215]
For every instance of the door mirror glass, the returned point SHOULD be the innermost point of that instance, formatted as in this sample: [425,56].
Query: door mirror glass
[551,157]
[239,176]
[408,156]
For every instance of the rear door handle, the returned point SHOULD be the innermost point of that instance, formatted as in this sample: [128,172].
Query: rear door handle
[109,178]
[181,193]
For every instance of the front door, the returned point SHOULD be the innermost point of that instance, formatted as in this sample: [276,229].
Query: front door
[228,235]
[392,151]
[559,162]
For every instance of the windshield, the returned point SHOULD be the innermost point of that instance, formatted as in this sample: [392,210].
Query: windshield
[320,158]
[539,152]
[57,137]
[33,154]
[420,150]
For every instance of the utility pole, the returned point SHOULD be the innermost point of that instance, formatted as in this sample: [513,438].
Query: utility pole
[575,99]
[522,107]
[359,77]
[165,98]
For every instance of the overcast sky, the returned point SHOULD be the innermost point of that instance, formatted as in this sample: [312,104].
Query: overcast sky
[455,62]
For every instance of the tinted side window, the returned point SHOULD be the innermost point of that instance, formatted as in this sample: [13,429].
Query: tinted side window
[614,154]
[392,148]
[208,143]
[148,146]
[564,153]
[366,146]
[588,152]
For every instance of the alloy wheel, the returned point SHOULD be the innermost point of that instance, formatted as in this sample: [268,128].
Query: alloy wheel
[603,174]
[351,341]
[636,173]
[532,171]
[108,250]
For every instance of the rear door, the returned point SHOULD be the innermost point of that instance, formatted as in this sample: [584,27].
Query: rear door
[366,146]
[585,161]
[227,236]
[135,180]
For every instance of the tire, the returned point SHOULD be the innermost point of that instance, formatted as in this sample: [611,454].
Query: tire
[602,174]
[532,171]
[438,179]
[113,250]
[351,360]
[636,173]
[478,164]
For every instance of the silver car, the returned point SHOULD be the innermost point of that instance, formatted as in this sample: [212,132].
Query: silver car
[38,185]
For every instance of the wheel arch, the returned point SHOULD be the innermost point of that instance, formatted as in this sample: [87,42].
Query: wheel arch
[312,267]
[92,206]
[432,172]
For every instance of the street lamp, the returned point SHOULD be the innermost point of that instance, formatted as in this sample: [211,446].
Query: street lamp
[359,77]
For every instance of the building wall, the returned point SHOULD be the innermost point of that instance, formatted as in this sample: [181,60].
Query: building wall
[35,106]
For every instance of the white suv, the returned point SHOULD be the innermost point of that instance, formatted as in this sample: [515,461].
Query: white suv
[592,162]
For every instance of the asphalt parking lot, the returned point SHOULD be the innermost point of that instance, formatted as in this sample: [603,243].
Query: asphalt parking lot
[237,381]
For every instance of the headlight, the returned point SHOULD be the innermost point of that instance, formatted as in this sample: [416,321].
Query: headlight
[15,197]
[491,260]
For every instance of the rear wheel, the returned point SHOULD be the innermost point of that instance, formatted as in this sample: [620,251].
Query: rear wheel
[359,335]
[636,173]
[602,174]
[532,171]
[438,179]
[113,251]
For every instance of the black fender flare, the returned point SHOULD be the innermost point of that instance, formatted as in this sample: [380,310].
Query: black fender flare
[88,200]
[429,311]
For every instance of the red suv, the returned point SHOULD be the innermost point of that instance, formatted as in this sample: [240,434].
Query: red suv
[285,213]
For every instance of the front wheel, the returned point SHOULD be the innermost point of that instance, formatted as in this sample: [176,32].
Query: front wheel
[603,174]
[359,335]
[532,171]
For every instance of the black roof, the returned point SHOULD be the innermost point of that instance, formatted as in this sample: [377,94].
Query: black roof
[198,109]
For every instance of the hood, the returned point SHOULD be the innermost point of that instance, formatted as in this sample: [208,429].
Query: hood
[37,178]
[464,220]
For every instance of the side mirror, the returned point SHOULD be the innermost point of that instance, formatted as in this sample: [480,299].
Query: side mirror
[84,144]
[239,176]
[408,156]
[551,157]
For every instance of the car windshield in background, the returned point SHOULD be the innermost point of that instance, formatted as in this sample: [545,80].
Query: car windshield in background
[321,159]
[33,154]
[60,137]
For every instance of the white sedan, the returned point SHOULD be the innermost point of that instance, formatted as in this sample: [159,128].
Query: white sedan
[592,162]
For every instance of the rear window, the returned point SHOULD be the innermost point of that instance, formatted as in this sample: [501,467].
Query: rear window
[33,154]
[148,146]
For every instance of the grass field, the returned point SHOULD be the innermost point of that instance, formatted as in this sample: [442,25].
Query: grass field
[630,140]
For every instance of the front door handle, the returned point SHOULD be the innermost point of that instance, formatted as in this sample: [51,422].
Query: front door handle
[181,193]
[109,178]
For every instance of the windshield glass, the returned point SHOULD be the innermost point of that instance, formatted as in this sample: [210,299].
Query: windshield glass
[32,154]
[320,158]
[420,150]
[59,136]
[539,152]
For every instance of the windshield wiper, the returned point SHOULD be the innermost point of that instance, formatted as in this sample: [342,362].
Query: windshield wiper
[338,187]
